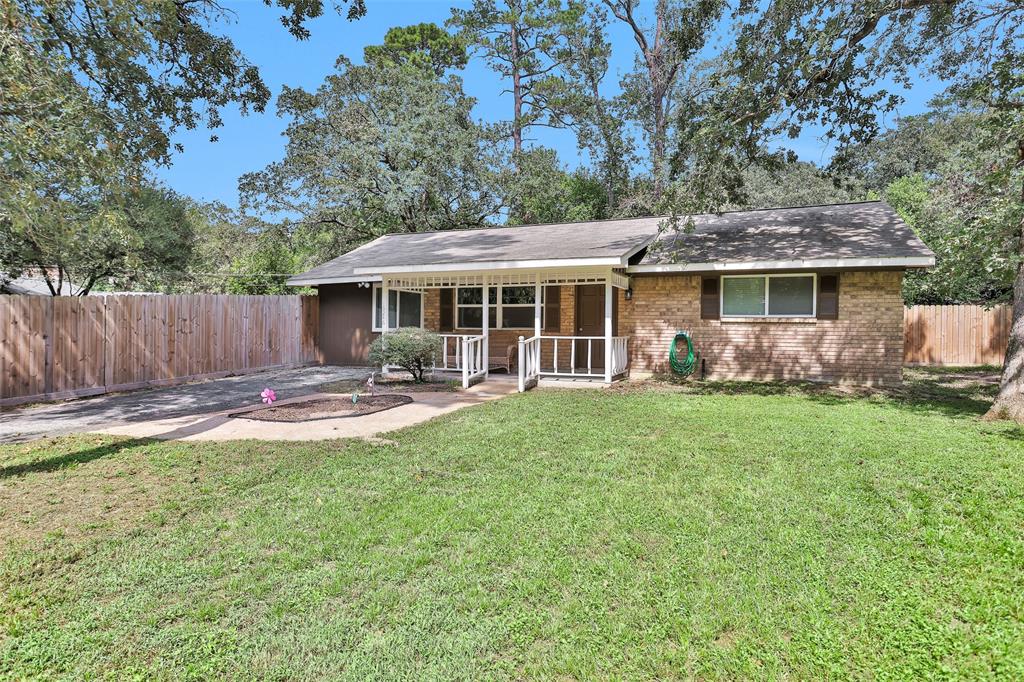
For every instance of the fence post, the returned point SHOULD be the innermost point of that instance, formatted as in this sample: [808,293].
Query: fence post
[48,345]
[465,361]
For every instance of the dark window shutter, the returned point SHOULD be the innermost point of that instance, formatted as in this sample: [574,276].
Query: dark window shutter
[709,298]
[828,297]
[447,310]
[553,309]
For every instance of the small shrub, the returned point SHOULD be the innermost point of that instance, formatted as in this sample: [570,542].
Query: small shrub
[410,348]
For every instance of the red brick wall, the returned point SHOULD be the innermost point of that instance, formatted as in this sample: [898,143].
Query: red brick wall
[864,346]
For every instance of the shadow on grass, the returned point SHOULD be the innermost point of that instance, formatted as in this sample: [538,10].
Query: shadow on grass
[58,461]
[953,392]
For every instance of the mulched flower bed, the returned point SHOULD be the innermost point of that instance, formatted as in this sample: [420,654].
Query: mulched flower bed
[325,408]
[396,385]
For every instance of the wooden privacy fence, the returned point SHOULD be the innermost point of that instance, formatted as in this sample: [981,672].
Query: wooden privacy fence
[955,334]
[59,347]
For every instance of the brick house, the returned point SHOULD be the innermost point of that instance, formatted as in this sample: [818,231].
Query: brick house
[808,293]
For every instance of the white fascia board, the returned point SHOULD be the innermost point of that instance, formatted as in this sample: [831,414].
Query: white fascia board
[301,281]
[613,261]
[812,264]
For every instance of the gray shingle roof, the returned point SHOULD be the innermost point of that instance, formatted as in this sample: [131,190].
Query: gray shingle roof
[611,240]
[864,230]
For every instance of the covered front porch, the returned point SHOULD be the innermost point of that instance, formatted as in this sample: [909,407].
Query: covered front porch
[531,323]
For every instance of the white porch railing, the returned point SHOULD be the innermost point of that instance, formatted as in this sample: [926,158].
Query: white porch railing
[474,358]
[451,353]
[620,354]
[453,349]
[529,362]
[535,361]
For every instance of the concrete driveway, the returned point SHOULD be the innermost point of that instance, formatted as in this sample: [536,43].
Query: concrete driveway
[122,409]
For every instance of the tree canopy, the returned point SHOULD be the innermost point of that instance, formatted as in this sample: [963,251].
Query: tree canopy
[91,94]
[425,45]
[381,148]
[527,43]
[127,238]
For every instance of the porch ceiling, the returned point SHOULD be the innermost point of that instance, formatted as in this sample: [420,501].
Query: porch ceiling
[547,277]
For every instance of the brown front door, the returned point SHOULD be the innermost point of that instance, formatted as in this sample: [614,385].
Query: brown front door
[590,322]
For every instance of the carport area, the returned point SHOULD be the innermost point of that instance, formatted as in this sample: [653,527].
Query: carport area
[128,410]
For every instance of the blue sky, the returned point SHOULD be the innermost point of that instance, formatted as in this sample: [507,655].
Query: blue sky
[210,171]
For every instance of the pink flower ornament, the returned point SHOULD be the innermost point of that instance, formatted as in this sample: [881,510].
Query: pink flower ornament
[268,396]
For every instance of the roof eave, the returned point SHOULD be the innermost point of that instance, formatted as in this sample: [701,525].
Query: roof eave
[794,264]
[475,266]
[303,281]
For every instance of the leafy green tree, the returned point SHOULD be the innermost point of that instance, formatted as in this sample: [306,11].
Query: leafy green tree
[90,95]
[379,149]
[544,192]
[151,66]
[930,167]
[600,128]
[124,239]
[945,211]
[664,52]
[425,45]
[925,144]
[797,183]
[220,236]
[265,266]
[527,43]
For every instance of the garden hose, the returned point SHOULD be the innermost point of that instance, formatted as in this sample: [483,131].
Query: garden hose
[682,367]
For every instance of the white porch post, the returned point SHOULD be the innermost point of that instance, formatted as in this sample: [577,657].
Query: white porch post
[521,367]
[486,329]
[384,314]
[538,311]
[608,293]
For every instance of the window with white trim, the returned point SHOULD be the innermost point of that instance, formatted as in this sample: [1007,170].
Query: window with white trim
[405,308]
[769,295]
[511,307]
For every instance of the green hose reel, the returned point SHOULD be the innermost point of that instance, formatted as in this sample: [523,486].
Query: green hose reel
[685,366]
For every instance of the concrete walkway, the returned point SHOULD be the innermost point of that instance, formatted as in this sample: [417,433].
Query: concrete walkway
[159,404]
[219,426]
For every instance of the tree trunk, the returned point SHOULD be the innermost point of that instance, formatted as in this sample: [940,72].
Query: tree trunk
[1009,403]
[661,75]
[517,91]
[658,144]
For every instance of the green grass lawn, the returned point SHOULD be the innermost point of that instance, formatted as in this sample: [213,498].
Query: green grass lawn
[728,532]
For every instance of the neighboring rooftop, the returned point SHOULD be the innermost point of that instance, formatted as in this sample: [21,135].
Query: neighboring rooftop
[868,232]
[34,286]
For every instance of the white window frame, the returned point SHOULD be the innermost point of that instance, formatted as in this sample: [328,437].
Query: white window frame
[498,305]
[767,294]
[398,309]
[478,306]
